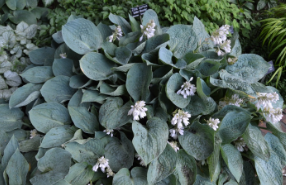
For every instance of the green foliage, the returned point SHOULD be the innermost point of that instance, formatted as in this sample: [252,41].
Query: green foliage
[157,97]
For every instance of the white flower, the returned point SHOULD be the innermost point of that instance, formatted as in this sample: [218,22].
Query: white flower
[109,132]
[213,123]
[140,159]
[33,133]
[174,145]
[187,89]
[220,35]
[234,100]
[231,60]
[264,100]
[148,30]
[116,35]
[102,163]
[109,172]
[272,115]
[63,55]
[174,132]
[224,48]
[180,117]
[240,144]
[203,162]
[138,110]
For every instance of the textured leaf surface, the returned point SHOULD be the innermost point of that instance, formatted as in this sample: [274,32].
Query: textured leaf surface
[39,74]
[96,66]
[17,169]
[186,168]
[233,125]
[173,85]
[36,56]
[200,180]
[163,166]
[82,118]
[120,153]
[63,66]
[51,114]
[25,95]
[182,40]
[29,145]
[151,15]
[249,67]
[214,162]
[138,81]
[198,141]
[57,89]
[79,81]
[166,55]
[54,166]
[10,149]
[202,34]
[255,142]
[233,160]
[150,141]
[275,145]
[10,119]
[79,174]
[16,4]
[81,35]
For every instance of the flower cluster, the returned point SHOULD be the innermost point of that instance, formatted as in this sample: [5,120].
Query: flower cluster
[33,133]
[240,144]
[137,110]
[179,118]
[63,55]
[219,37]
[116,35]
[234,100]
[231,60]
[103,164]
[148,30]
[187,89]
[140,159]
[213,123]
[109,132]
[264,102]
[174,145]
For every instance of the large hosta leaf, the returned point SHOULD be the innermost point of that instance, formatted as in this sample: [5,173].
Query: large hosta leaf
[138,81]
[233,160]
[249,67]
[120,153]
[202,35]
[150,141]
[52,114]
[81,35]
[39,74]
[96,66]
[80,174]
[10,119]
[275,145]
[16,4]
[198,141]
[125,26]
[214,162]
[57,89]
[36,56]
[53,166]
[182,40]
[186,168]
[163,166]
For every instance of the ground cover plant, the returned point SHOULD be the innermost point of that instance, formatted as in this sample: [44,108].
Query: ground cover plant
[135,103]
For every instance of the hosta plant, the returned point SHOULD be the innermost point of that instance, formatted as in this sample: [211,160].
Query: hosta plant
[15,46]
[135,103]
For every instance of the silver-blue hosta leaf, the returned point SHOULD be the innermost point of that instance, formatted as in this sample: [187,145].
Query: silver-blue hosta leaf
[80,174]
[105,31]
[249,68]
[269,171]
[25,95]
[9,150]
[52,114]
[17,169]
[138,176]
[16,4]
[121,55]
[201,180]
[57,89]
[42,56]
[173,86]
[29,145]
[255,142]
[38,74]
[280,135]
[233,125]
[248,175]
[186,168]
[275,145]
[120,153]
[19,134]
[166,56]
[163,166]
[113,114]
[53,166]
[58,136]
[79,81]
[208,67]
[96,66]
[135,26]
[63,66]
[138,81]
[80,114]
[150,141]
[10,119]
[233,160]
[23,15]
[125,26]
[214,161]
[183,39]
[236,49]
[155,43]
[106,89]
[152,15]
[93,96]
[70,54]
[58,37]
[4,139]
[82,36]
[198,141]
